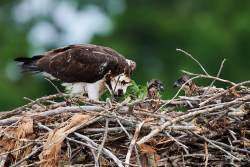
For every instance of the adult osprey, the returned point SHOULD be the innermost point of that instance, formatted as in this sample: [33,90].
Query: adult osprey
[84,69]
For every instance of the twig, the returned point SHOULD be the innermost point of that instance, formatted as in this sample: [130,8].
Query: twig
[3,159]
[224,92]
[218,74]
[34,164]
[124,129]
[179,143]
[113,129]
[232,147]
[105,151]
[212,143]
[88,140]
[20,109]
[137,156]
[189,55]
[104,139]
[209,77]
[178,92]
[17,149]
[95,158]
[57,89]
[133,141]
[206,154]
[168,123]
[27,157]
[54,112]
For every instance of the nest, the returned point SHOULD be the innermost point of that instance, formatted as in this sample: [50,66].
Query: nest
[211,128]
[208,130]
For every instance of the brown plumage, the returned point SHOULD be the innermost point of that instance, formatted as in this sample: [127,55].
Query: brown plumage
[81,65]
[154,87]
[191,89]
[153,99]
[78,63]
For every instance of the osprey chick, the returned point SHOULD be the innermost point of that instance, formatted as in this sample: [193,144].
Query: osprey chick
[84,69]
[191,89]
[154,87]
[153,99]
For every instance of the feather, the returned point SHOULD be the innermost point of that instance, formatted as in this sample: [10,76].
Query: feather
[28,64]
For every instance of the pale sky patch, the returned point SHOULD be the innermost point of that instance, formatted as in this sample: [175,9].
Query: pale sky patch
[78,26]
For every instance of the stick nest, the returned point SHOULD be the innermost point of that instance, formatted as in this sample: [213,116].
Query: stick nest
[211,129]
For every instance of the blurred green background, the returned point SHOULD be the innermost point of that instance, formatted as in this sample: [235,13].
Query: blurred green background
[147,31]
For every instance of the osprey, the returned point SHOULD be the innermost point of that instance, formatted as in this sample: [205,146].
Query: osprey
[154,87]
[84,69]
[191,89]
[153,99]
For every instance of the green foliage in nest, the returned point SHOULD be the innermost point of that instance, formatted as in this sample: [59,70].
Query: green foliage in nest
[134,91]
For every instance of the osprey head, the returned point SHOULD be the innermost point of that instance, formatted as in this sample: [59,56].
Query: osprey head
[118,80]
[184,79]
[156,84]
[154,87]
[119,84]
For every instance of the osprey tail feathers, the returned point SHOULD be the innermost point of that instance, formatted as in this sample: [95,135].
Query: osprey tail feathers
[28,64]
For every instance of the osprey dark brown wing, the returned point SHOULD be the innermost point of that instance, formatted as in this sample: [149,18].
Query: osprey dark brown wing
[78,63]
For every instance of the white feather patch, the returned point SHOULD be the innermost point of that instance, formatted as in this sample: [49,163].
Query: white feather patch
[94,90]
[75,89]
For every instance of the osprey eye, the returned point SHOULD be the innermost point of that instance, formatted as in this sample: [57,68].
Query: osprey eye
[123,82]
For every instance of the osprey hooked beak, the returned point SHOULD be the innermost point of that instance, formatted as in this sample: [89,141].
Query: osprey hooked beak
[118,85]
